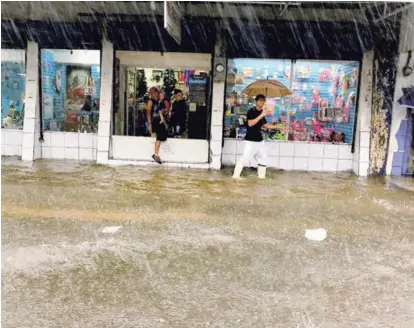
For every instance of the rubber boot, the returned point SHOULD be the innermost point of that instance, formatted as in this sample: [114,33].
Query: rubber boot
[261,172]
[237,170]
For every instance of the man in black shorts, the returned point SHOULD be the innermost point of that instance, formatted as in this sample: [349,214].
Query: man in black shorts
[157,122]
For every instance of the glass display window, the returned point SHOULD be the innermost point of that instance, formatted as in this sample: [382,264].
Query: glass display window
[70,90]
[13,86]
[240,73]
[321,107]
[323,101]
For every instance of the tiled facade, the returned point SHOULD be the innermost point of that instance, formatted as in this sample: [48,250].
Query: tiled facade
[295,156]
[298,156]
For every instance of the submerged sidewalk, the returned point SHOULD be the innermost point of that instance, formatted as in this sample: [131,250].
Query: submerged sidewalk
[402,182]
[197,249]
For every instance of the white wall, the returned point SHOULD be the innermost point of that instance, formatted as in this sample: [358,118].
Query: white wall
[13,55]
[360,160]
[296,156]
[11,142]
[70,145]
[173,150]
[105,111]
[31,124]
[82,57]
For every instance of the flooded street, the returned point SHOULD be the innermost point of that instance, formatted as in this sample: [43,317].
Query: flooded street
[197,249]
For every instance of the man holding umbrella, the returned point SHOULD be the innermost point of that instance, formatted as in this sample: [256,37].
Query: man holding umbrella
[254,145]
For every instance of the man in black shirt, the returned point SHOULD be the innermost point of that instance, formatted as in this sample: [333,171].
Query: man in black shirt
[254,145]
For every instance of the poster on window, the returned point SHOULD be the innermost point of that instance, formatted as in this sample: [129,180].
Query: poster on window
[77,85]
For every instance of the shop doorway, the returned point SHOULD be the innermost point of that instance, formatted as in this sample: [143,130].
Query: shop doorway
[184,87]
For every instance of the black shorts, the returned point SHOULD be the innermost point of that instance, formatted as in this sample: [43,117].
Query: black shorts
[161,131]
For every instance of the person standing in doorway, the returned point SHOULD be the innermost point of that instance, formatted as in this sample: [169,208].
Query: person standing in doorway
[179,113]
[156,122]
[254,145]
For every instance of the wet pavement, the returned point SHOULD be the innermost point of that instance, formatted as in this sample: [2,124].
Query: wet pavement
[197,249]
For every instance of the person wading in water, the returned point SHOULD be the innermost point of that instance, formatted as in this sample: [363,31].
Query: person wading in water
[254,145]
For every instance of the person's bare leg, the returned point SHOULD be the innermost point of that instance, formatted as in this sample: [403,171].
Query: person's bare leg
[157,147]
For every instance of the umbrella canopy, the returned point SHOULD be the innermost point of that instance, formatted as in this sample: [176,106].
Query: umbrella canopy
[269,88]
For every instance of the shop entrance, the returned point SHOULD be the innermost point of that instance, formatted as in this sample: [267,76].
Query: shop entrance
[183,84]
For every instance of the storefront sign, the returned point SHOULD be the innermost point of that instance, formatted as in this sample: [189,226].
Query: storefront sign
[172,19]
[198,89]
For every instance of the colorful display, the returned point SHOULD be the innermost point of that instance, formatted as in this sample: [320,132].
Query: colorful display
[70,95]
[12,94]
[320,109]
[242,72]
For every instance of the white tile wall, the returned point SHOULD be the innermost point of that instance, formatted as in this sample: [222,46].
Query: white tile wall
[228,159]
[344,165]
[287,149]
[273,149]
[27,152]
[363,169]
[215,163]
[85,140]
[173,150]
[71,140]
[11,142]
[58,152]
[316,150]
[329,165]
[72,153]
[217,133]
[296,156]
[57,139]
[302,150]
[364,155]
[344,152]
[229,146]
[300,163]
[215,147]
[331,151]
[315,164]
[273,162]
[364,139]
[286,163]
[69,145]
[103,143]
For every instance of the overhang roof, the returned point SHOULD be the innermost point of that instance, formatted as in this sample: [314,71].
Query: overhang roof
[74,11]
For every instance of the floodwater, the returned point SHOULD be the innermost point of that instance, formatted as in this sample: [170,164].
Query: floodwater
[197,249]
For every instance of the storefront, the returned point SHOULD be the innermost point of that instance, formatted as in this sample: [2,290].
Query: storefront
[316,123]
[13,88]
[135,73]
[400,156]
[70,98]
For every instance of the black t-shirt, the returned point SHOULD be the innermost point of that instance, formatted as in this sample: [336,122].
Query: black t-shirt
[254,133]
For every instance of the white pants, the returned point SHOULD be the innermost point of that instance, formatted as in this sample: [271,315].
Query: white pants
[256,150]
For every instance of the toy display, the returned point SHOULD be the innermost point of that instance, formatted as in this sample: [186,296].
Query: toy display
[321,108]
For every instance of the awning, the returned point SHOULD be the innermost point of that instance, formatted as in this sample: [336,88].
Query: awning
[408,97]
